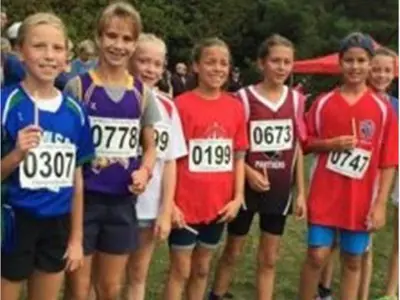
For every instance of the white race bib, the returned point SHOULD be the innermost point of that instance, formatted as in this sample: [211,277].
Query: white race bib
[49,166]
[210,155]
[351,163]
[162,138]
[271,135]
[115,138]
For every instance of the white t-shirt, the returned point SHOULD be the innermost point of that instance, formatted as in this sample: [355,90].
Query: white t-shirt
[171,145]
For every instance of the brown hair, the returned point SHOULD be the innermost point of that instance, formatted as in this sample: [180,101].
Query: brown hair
[206,43]
[123,10]
[40,19]
[272,41]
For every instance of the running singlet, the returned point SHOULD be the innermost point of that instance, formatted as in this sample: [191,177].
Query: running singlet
[115,125]
[273,136]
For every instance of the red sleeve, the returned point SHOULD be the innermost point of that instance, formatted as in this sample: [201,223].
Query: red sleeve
[390,142]
[310,127]
[300,121]
[241,139]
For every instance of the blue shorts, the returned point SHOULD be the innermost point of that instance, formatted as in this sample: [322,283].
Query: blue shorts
[110,224]
[351,242]
[209,236]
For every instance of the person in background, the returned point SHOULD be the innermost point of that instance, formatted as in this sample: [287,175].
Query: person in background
[86,51]
[3,18]
[235,82]
[179,79]
[13,68]
[66,75]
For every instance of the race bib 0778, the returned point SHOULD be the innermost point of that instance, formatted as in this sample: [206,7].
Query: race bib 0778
[48,166]
[115,138]
[350,163]
[271,135]
[210,155]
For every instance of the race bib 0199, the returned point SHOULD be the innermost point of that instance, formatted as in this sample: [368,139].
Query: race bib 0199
[115,138]
[271,135]
[162,138]
[48,166]
[350,163]
[210,155]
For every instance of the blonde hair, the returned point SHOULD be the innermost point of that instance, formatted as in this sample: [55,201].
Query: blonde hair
[86,46]
[123,10]
[272,41]
[151,38]
[207,43]
[40,19]
[385,52]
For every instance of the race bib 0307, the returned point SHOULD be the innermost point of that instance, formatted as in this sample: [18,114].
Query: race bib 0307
[210,155]
[271,135]
[350,163]
[115,138]
[48,166]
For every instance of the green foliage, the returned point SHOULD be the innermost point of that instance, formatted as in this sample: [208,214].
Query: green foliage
[315,26]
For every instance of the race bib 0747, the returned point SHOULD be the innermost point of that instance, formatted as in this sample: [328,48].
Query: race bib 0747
[210,155]
[271,135]
[115,138]
[350,163]
[48,166]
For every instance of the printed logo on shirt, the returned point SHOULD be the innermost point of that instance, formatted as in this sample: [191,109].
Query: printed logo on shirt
[367,130]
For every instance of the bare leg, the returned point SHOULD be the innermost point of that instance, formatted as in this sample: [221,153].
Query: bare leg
[226,265]
[268,252]
[393,276]
[10,289]
[311,272]
[110,272]
[44,286]
[201,260]
[350,280]
[138,265]
[179,271]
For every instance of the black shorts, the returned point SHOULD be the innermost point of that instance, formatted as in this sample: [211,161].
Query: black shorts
[40,244]
[110,224]
[269,223]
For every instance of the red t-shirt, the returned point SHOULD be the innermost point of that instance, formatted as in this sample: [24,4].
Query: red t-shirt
[214,130]
[344,184]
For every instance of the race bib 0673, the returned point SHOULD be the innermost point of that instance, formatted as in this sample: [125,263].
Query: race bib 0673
[48,166]
[210,155]
[271,135]
[115,138]
[350,163]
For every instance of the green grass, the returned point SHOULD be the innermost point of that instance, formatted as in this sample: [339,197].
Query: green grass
[291,258]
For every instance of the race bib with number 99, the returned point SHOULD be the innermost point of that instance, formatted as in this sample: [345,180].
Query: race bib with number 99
[115,138]
[210,155]
[48,166]
[161,136]
[350,163]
